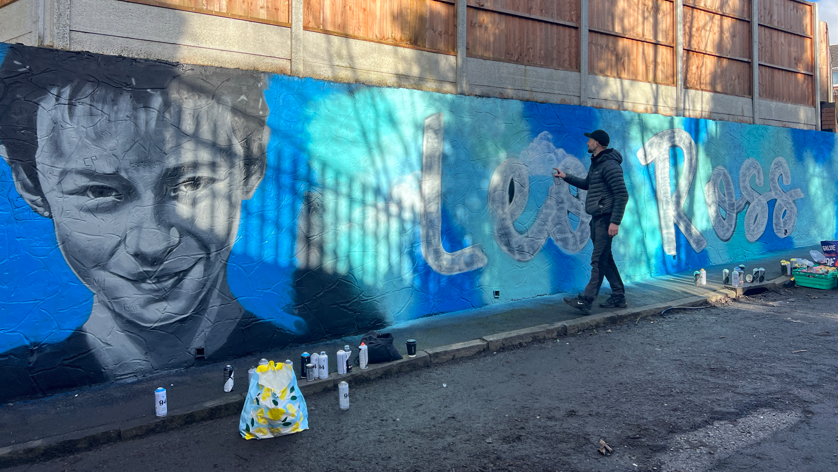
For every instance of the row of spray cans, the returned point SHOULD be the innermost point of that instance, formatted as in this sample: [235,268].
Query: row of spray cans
[316,366]
[738,277]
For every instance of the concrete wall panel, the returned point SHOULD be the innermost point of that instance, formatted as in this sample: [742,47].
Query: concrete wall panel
[167,26]
[641,97]
[515,78]
[16,22]
[338,58]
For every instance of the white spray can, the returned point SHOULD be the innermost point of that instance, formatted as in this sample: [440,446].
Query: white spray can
[161,408]
[341,362]
[315,359]
[343,393]
[323,365]
[703,277]
[735,278]
[363,356]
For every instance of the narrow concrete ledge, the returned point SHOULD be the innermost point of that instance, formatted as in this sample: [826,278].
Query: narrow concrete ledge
[450,352]
[520,337]
[50,448]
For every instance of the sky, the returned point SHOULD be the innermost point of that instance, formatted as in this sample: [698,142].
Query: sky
[828,12]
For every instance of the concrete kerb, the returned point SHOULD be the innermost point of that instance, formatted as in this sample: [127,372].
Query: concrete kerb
[49,448]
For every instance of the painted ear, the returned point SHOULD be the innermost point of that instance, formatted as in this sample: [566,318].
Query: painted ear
[255,168]
[26,183]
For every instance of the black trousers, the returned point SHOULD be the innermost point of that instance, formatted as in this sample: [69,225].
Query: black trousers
[602,261]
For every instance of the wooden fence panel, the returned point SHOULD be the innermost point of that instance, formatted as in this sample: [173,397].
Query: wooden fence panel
[632,39]
[786,15]
[735,8]
[825,64]
[716,34]
[274,12]
[717,46]
[716,74]
[421,24]
[3,3]
[786,52]
[542,33]
[788,87]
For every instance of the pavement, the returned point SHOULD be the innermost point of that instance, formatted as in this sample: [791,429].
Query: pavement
[70,422]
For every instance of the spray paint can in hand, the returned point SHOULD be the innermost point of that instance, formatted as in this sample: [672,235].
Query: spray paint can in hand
[343,393]
[161,408]
[340,360]
[363,356]
[228,378]
[305,359]
[348,351]
[315,359]
[323,365]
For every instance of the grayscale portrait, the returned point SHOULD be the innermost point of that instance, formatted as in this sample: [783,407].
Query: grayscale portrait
[142,167]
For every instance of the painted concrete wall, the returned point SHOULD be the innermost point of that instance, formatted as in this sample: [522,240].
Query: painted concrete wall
[148,209]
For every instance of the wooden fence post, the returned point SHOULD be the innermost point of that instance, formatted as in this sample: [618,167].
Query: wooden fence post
[679,57]
[816,44]
[462,44]
[583,53]
[755,58]
[297,38]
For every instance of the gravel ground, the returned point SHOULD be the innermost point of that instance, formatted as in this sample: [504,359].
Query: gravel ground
[747,385]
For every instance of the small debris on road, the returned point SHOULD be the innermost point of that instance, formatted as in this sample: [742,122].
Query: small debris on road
[604,448]
[795,352]
[444,385]
[722,337]
[489,440]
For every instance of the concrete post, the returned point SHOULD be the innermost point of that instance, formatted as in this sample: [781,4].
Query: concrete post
[679,57]
[297,65]
[755,58]
[61,24]
[817,75]
[462,45]
[583,53]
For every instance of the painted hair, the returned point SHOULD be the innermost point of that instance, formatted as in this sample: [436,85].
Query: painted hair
[54,94]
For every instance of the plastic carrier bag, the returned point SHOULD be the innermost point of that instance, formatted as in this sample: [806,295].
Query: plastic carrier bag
[274,405]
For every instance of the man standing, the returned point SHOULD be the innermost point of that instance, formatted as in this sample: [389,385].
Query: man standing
[606,203]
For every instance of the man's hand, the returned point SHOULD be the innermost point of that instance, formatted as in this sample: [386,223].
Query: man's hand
[613,230]
[559,173]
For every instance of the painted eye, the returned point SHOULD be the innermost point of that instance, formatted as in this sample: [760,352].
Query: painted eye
[103,191]
[192,184]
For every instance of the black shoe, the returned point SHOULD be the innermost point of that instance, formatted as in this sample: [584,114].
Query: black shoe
[614,301]
[577,302]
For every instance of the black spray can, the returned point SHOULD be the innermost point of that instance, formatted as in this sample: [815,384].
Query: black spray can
[228,378]
[305,359]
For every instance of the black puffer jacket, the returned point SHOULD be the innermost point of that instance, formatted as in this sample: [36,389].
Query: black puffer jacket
[605,185]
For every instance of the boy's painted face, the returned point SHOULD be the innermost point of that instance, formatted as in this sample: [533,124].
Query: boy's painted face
[145,207]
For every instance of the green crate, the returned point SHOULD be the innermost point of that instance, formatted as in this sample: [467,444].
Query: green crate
[821,281]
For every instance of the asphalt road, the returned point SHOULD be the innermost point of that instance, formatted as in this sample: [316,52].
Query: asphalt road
[749,385]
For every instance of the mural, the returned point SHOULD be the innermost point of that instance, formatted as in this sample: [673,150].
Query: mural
[155,216]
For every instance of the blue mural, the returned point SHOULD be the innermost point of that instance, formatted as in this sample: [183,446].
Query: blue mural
[154,216]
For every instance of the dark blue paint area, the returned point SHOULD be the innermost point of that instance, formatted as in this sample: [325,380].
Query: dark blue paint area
[265,289]
[566,123]
[569,273]
[436,293]
[41,300]
[769,239]
[685,259]
[818,145]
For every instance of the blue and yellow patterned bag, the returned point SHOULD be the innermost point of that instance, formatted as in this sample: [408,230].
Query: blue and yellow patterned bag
[274,405]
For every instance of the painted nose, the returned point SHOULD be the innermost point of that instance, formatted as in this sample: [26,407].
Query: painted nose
[150,242]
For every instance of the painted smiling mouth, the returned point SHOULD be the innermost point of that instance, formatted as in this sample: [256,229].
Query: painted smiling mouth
[159,283]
